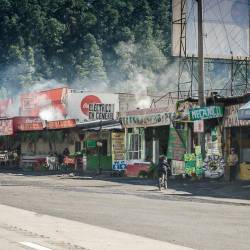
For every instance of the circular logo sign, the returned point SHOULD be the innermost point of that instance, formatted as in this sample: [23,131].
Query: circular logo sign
[88,100]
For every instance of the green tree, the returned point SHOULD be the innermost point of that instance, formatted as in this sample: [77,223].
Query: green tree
[90,67]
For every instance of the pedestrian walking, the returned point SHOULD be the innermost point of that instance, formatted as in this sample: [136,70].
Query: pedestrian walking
[232,162]
[162,172]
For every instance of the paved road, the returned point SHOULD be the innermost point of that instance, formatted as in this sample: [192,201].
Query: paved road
[125,213]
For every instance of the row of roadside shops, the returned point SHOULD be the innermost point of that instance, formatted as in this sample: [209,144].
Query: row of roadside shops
[107,132]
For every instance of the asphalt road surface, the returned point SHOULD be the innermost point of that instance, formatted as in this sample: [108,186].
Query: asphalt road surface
[57,212]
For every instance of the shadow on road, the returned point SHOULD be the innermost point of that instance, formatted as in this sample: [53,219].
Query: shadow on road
[178,187]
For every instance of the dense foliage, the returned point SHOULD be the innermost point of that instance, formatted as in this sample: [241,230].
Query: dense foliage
[82,41]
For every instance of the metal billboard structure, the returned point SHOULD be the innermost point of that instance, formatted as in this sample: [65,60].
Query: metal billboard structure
[226,41]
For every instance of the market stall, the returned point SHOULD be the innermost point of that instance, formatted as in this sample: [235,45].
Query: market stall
[237,125]
[98,143]
[207,120]
[146,136]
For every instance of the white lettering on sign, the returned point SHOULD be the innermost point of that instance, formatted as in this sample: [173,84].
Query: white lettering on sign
[231,117]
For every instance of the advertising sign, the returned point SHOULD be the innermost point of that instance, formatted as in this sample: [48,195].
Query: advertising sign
[118,151]
[28,123]
[199,126]
[178,167]
[70,123]
[87,105]
[231,118]
[6,127]
[99,111]
[32,104]
[148,117]
[205,113]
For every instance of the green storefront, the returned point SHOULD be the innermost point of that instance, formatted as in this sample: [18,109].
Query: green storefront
[97,143]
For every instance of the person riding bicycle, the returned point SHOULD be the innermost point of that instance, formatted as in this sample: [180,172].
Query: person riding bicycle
[162,171]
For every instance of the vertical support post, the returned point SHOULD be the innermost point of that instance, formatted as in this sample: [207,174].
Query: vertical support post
[155,147]
[232,75]
[246,76]
[192,75]
[201,88]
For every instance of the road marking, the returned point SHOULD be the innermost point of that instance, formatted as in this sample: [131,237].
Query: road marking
[34,246]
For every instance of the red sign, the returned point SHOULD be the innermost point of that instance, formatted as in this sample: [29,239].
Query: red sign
[33,103]
[28,123]
[6,127]
[90,99]
[71,123]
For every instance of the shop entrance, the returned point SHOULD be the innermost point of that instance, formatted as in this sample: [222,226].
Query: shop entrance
[158,135]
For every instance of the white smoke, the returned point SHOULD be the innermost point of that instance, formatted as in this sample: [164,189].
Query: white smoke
[51,114]
[139,86]
[43,84]
[47,111]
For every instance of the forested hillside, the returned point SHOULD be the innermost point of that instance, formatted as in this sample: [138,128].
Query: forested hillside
[84,42]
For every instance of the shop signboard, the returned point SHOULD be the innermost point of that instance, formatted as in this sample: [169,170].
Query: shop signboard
[89,105]
[70,123]
[231,118]
[177,144]
[199,126]
[178,167]
[28,123]
[204,113]
[118,151]
[6,127]
[100,111]
[91,143]
[148,117]
[52,101]
[182,109]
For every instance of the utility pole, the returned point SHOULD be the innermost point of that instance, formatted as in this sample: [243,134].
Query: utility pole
[201,89]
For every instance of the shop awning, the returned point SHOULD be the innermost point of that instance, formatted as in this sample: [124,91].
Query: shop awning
[100,125]
[244,112]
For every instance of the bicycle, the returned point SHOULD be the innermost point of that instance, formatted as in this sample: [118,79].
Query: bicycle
[163,181]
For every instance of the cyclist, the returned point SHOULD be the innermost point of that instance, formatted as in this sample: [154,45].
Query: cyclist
[162,172]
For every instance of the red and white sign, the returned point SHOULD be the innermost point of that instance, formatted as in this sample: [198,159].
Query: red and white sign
[6,127]
[78,103]
[70,123]
[199,126]
[28,123]
[32,104]
[86,101]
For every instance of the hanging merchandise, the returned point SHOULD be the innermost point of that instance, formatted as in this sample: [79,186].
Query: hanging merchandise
[190,164]
[214,166]
[198,161]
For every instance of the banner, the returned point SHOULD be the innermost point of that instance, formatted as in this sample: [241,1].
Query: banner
[118,151]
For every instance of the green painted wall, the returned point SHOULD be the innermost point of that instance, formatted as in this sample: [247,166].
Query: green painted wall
[93,162]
